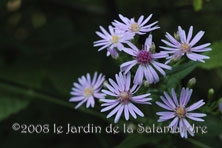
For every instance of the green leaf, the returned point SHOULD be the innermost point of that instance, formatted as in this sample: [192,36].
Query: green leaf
[215,57]
[179,72]
[10,104]
[197,5]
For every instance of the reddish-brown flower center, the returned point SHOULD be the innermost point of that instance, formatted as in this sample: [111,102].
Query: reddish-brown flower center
[124,97]
[143,57]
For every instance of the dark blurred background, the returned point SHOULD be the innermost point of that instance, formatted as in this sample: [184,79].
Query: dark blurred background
[45,45]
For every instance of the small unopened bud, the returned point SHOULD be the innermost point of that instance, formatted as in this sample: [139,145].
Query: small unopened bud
[176,35]
[210,93]
[113,53]
[146,83]
[191,82]
[153,47]
[104,84]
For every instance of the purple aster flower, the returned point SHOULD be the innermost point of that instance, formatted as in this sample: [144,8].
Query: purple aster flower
[185,46]
[112,39]
[135,27]
[87,90]
[179,111]
[146,61]
[124,98]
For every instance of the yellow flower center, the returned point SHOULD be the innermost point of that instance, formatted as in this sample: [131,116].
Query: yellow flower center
[88,92]
[180,112]
[135,27]
[115,38]
[185,48]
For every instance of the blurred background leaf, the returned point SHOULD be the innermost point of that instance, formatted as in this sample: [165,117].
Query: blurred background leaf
[197,4]
[215,57]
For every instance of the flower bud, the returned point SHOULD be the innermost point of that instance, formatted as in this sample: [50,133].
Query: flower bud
[191,82]
[113,53]
[146,83]
[210,93]
[176,36]
[153,47]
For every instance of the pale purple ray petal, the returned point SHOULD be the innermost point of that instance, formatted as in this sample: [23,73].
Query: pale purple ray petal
[154,74]
[111,88]
[128,80]
[119,81]
[165,113]
[127,66]
[131,110]
[137,110]
[130,51]
[197,37]
[114,84]
[182,128]
[189,128]
[195,105]
[148,75]
[170,101]
[164,118]
[182,96]
[118,115]
[169,44]
[174,97]
[90,101]
[197,57]
[195,118]
[190,33]
[140,19]
[138,78]
[114,111]
[188,95]
[146,20]
[172,39]
[158,68]
[99,95]
[109,107]
[104,31]
[108,100]
[174,122]
[76,99]
[80,103]
[200,47]
[160,55]
[167,103]
[140,96]
[126,112]
[163,106]
[94,78]
[109,92]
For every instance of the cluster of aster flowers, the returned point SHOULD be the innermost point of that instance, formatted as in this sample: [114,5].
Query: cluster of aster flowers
[119,96]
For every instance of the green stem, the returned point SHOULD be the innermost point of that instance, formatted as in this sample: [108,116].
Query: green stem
[197,143]
[38,94]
